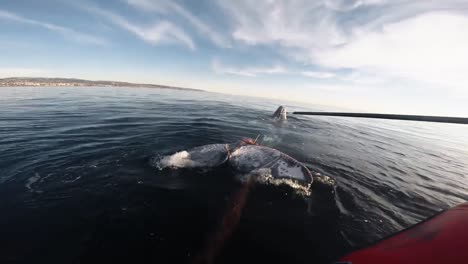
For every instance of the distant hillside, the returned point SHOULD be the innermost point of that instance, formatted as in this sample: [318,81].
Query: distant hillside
[19,81]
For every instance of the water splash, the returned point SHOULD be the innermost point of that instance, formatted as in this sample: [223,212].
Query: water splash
[264,176]
[31,181]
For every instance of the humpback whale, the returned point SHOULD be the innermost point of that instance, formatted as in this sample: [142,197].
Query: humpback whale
[252,163]
[246,159]
[280,114]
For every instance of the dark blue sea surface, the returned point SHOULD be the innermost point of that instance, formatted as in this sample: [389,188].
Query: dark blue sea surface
[78,185]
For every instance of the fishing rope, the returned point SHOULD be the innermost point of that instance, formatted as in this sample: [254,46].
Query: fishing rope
[228,225]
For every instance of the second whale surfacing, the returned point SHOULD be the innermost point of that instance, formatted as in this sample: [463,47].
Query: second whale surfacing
[280,114]
[247,160]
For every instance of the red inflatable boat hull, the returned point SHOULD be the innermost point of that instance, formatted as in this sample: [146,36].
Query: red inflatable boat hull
[442,238]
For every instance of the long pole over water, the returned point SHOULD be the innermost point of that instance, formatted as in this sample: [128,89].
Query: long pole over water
[438,119]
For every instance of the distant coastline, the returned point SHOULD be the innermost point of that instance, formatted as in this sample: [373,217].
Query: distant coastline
[67,82]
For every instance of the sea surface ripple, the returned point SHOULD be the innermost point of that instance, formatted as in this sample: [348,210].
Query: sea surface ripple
[77,184]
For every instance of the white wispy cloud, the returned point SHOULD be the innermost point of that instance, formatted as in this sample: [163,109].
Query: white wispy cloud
[219,68]
[319,74]
[253,71]
[348,5]
[21,72]
[64,31]
[160,32]
[430,48]
[165,7]
[292,24]
[420,41]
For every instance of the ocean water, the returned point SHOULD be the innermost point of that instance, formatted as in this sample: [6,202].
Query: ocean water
[78,185]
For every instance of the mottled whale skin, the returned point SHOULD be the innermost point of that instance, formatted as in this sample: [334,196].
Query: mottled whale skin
[280,114]
[248,158]
[244,158]
[207,156]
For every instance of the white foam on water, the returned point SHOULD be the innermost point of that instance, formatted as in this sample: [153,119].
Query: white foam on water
[74,180]
[263,176]
[30,181]
[323,179]
[270,139]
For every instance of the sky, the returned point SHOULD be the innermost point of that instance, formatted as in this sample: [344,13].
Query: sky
[389,56]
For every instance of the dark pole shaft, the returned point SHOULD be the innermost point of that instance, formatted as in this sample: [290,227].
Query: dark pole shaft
[439,119]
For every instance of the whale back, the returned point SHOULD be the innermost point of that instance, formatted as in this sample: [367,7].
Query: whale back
[248,158]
